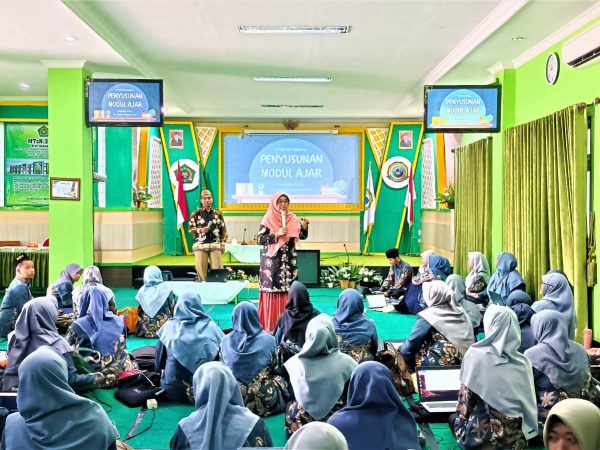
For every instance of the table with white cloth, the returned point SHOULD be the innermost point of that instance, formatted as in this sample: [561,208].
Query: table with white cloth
[245,253]
[211,293]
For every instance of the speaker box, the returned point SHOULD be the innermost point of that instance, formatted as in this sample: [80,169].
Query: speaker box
[309,267]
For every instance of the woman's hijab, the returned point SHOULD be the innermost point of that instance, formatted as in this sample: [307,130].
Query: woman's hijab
[317,436]
[102,327]
[153,294]
[349,321]
[68,275]
[298,312]
[498,358]
[440,266]
[319,372]
[91,277]
[51,415]
[563,361]
[221,421]
[456,283]
[583,419]
[445,316]
[272,220]
[479,268]
[190,335]
[506,278]
[374,415]
[520,302]
[35,327]
[558,296]
[248,348]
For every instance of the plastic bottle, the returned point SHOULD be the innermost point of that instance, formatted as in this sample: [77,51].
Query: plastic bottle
[587,338]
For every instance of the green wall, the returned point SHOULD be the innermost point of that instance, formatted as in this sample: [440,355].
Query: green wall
[118,167]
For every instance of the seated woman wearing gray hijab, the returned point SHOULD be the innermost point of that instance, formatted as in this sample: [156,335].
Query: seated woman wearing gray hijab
[156,303]
[92,277]
[561,367]
[319,374]
[221,421]
[496,403]
[442,333]
[36,327]
[62,288]
[457,284]
[557,295]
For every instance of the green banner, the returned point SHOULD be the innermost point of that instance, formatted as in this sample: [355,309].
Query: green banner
[26,164]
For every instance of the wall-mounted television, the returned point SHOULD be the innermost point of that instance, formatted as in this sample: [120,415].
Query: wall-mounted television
[123,102]
[462,109]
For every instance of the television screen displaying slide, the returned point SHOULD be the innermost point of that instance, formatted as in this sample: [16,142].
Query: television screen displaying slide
[124,102]
[311,169]
[462,109]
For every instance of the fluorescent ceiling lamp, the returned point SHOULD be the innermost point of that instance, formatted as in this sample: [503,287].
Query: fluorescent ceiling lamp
[291,106]
[251,132]
[293,79]
[294,29]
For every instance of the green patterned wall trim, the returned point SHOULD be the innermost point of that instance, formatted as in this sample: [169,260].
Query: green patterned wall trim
[23,112]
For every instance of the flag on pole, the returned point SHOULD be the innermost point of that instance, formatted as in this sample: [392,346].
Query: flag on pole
[409,202]
[369,215]
[180,200]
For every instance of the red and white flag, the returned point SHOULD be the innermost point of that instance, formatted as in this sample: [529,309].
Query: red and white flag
[180,200]
[409,202]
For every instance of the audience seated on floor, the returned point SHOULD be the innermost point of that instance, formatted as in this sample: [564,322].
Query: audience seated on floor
[496,404]
[62,289]
[318,375]
[221,421]
[399,276]
[101,330]
[317,436]
[433,267]
[506,278]
[156,303]
[186,341]
[561,368]
[456,283]
[477,279]
[17,294]
[249,352]
[442,333]
[92,277]
[374,415]
[520,303]
[573,424]
[556,294]
[36,327]
[290,329]
[356,334]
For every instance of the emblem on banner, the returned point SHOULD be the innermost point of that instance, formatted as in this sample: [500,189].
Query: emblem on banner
[190,173]
[396,171]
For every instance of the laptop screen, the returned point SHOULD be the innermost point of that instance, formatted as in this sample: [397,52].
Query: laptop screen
[8,400]
[438,383]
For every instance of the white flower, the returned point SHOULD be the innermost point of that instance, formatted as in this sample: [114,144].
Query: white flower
[330,285]
[366,279]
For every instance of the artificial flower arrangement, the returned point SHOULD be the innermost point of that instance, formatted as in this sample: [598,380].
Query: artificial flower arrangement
[239,274]
[369,276]
[332,276]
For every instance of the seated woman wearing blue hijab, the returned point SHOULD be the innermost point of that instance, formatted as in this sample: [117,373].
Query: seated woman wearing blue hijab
[318,375]
[520,303]
[561,368]
[36,327]
[101,330]
[442,333]
[186,341]
[250,354]
[356,334]
[506,278]
[221,421]
[374,416]
[433,267]
[51,415]
[556,295]
[156,303]
[62,289]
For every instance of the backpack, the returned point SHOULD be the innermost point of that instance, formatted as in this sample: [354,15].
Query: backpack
[393,360]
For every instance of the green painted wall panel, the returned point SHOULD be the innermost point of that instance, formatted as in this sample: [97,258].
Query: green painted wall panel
[23,112]
[118,142]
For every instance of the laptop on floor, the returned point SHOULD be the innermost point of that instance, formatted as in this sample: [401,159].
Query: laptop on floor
[8,400]
[376,301]
[438,388]
[496,298]
[217,275]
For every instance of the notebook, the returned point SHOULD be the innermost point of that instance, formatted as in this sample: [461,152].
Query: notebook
[8,400]
[438,388]
[217,275]
[376,301]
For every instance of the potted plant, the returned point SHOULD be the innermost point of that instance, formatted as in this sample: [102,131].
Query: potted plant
[447,198]
[329,277]
[369,277]
[348,275]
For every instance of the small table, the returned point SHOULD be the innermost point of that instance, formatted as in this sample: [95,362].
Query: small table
[211,293]
[245,253]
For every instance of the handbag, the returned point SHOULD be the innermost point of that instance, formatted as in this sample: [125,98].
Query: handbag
[145,357]
[130,317]
[133,391]
[393,360]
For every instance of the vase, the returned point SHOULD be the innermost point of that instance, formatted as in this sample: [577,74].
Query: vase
[347,284]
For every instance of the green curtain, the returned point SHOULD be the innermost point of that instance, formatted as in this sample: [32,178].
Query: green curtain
[473,191]
[7,269]
[545,163]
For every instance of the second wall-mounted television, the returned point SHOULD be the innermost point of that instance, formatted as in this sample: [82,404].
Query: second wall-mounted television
[462,109]
[123,102]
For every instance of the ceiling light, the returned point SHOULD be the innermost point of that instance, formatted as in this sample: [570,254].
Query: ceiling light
[290,106]
[517,38]
[293,79]
[294,29]
[70,39]
[23,85]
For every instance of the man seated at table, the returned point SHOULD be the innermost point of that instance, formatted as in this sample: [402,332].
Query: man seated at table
[17,294]
[399,276]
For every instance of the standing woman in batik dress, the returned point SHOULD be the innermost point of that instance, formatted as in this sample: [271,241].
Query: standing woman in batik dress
[279,231]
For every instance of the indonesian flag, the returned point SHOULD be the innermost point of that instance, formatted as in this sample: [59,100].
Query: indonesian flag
[409,202]
[180,201]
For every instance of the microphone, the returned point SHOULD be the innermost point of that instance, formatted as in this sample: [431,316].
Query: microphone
[347,255]
[244,238]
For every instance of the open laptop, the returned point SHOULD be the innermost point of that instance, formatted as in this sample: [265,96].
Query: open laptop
[8,400]
[496,298]
[438,388]
[376,301]
[217,275]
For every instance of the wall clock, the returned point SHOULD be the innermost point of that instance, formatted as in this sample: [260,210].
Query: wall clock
[552,67]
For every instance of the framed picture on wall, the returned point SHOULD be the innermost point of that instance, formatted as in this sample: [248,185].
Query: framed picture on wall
[65,188]
[176,138]
[406,140]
